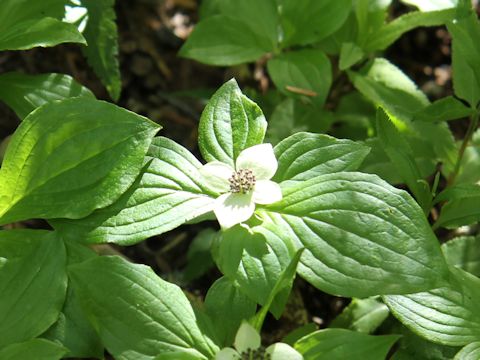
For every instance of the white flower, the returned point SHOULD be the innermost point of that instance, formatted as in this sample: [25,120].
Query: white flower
[247,346]
[243,187]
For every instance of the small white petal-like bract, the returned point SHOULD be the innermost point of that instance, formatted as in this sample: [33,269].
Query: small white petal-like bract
[243,186]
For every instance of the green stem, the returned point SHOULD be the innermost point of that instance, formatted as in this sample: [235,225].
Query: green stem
[471,129]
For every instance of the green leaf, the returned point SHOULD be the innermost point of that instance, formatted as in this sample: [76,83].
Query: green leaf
[309,21]
[459,212]
[466,57]
[386,85]
[38,349]
[457,192]
[362,315]
[224,40]
[302,72]
[255,263]
[448,315]
[470,166]
[282,288]
[431,5]
[16,11]
[469,352]
[390,32]
[445,109]
[64,161]
[303,156]
[226,305]
[260,16]
[463,252]
[350,54]
[412,346]
[72,329]
[362,236]
[401,156]
[292,116]
[168,193]
[230,123]
[340,344]
[199,258]
[33,281]
[137,314]
[24,93]
[102,50]
[42,32]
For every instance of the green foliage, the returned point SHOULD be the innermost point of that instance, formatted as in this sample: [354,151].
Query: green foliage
[102,49]
[42,176]
[32,264]
[155,318]
[24,93]
[39,349]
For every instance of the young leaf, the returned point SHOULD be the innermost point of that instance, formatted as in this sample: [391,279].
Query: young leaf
[303,156]
[138,315]
[199,258]
[38,349]
[24,93]
[445,109]
[255,263]
[302,72]
[39,32]
[469,352]
[350,54]
[226,305]
[448,315]
[224,40]
[362,237]
[68,146]
[340,344]
[400,154]
[362,315]
[33,281]
[308,21]
[230,123]
[390,32]
[168,193]
[466,58]
[463,252]
[102,49]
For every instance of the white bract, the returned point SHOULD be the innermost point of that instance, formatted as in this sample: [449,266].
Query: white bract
[243,187]
[248,346]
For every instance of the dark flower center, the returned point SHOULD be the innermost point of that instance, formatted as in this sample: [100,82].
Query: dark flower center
[242,181]
[255,354]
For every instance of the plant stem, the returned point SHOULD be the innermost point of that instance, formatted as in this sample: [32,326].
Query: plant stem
[471,129]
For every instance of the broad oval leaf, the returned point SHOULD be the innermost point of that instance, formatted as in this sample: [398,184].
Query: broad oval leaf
[362,237]
[168,193]
[309,21]
[224,40]
[448,315]
[230,123]
[303,156]
[301,73]
[340,344]
[32,264]
[138,315]
[24,93]
[69,158]
[38,349]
